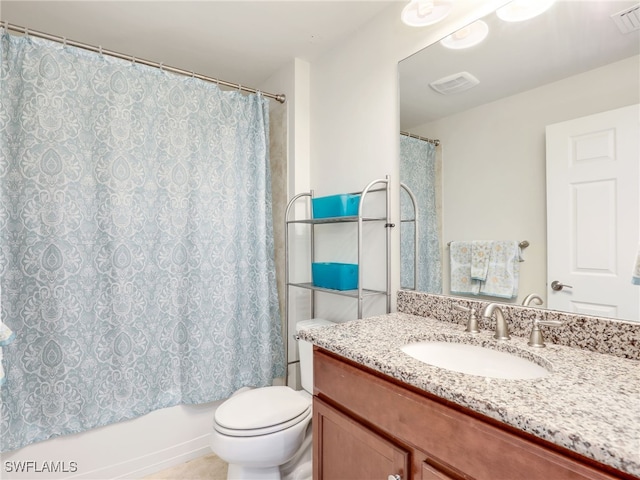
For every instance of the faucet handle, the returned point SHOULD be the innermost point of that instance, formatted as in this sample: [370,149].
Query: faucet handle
[472,321]
[536,339]
[462,308]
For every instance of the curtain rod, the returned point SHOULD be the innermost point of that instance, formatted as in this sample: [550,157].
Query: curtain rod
[424,139]
[27,31]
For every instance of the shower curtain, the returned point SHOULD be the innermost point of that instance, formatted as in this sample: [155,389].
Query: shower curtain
[418,172]
[136,243]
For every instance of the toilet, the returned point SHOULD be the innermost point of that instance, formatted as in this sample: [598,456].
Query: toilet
[265,433]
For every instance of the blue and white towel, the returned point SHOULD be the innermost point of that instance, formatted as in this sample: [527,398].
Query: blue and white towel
[635,278]
[480,255]
[460,260]
[485,267]
[504,270]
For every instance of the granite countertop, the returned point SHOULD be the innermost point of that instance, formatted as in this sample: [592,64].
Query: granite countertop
[590,403]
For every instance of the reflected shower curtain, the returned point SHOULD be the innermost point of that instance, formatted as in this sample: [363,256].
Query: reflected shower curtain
[418,172]
[136,244]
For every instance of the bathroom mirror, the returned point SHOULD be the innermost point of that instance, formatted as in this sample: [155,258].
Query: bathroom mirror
[570,62]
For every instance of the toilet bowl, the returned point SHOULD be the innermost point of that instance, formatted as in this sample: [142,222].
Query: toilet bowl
[265,433]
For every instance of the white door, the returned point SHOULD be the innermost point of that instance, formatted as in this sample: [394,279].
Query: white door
[593,213]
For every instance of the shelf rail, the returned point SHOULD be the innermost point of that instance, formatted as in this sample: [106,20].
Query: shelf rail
[388,226]
[416,246]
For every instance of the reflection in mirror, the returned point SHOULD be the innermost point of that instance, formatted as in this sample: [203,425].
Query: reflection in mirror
[421,267]
[572,61]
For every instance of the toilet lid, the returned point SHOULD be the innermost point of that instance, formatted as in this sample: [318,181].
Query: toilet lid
[261,411]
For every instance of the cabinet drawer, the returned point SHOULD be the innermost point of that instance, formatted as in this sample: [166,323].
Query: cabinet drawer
[464,442]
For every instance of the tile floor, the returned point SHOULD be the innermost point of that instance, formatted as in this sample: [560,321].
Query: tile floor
[209,467]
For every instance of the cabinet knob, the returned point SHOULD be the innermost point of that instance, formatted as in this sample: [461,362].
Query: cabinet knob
[394,477]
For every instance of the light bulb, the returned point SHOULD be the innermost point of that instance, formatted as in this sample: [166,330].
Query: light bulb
[420,13]
[467,37]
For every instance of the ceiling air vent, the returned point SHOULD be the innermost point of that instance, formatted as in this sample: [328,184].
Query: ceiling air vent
[456,83]
[628,20]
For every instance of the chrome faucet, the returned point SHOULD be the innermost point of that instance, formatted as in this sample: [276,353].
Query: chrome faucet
[532,297]
[502,330]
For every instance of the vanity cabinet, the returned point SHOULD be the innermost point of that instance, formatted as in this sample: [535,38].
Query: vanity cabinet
[370,426]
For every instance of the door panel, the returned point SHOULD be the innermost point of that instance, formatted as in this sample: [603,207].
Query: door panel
[593,213]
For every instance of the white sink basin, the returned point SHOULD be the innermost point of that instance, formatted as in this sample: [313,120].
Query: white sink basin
[474,360]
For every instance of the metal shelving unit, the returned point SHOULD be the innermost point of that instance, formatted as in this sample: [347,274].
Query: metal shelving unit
[381,186]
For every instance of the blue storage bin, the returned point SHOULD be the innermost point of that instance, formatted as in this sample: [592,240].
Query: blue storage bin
[336,276]
[344,205]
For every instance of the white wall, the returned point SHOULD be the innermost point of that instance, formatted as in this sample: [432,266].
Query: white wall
[494,182]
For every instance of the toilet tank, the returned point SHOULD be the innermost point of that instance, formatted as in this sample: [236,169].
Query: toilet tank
[305,350]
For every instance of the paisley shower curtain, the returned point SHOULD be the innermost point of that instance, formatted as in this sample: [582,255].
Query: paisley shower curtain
[418,172]
[136,244]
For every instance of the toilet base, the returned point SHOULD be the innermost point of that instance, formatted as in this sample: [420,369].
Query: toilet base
[298,468]
[301,471]
[240,472]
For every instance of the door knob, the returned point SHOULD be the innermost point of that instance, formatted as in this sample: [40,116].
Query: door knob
[557,286]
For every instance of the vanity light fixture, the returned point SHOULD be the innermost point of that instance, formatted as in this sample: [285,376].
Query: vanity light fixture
[420,13]
[520,10]
[467,37]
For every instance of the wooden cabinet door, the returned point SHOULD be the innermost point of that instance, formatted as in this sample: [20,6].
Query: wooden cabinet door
[343,449]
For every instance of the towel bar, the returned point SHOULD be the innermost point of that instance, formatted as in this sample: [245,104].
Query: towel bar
[522,244]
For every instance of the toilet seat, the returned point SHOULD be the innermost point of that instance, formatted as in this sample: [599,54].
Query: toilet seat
[261,411]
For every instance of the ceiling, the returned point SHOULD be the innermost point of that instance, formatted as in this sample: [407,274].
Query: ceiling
[573,36]
[242,42]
